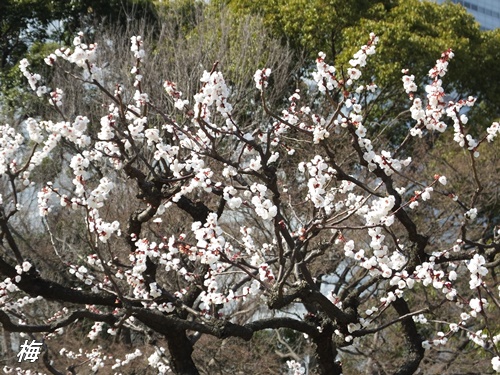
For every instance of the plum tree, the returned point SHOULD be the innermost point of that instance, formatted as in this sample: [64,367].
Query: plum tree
[173,225]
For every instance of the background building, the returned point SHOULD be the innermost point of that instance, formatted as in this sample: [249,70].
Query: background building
[487,12]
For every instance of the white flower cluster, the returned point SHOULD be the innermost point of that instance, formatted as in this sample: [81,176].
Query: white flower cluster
[493,131]
[102,228]
[7,286]
[128,358]
[233,202]
[24,267]
[263,207]
[158,361]
[141,100]
[290,116]
[83,56]
[409,83]
[154,290]
[359,59]
[248,242]
[477,270]
[171,90]
[33,79]
[479,338]
[138,260]
[361,56]
[427,274]
[210,241]
[295,368]
[152,136]
[320,177]
[482,338]
[319,133]
[380,211]
[471,214]
[440,340]
[20,304]
[255,164]
[293,116]
[382,263]
[107,124]
[82,273]
[95,330]
[136,46]
[430,116]
[93,200]
[211,296]
[266,273]
[56,97]
[201,180]
[261,77]
[96,359]
[10,145]
[214,91]
[11,142]
[44,196]
[441,67]
[94,260]
[464,140]
[495,363]
[386,162]
[324,74]
[252,290]
[477,305]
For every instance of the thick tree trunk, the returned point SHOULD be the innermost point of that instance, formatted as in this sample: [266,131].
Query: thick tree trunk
[326,352]
[412,338]
[180,349]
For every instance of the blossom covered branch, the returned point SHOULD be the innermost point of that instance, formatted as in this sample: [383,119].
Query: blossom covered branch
[306,219]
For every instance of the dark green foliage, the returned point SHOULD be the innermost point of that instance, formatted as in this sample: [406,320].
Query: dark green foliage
[27,25]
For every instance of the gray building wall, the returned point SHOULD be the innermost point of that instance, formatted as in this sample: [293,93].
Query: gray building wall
[487,12]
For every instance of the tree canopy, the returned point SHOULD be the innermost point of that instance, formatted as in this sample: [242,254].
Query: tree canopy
[25,25]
